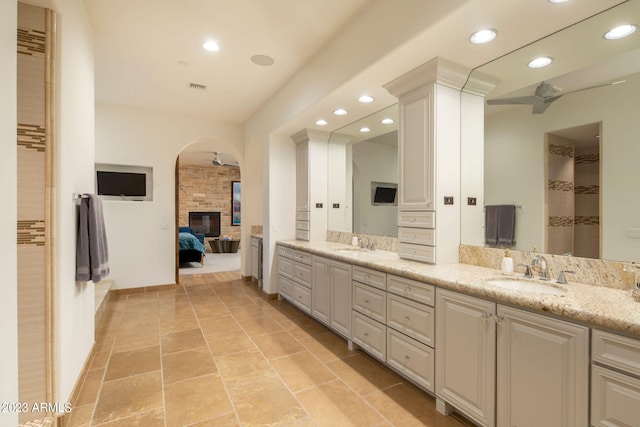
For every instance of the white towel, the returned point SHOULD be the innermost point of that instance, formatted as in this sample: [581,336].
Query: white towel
[92,254]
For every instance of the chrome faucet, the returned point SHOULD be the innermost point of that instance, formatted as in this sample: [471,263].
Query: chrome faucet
[361,240]
[544,268]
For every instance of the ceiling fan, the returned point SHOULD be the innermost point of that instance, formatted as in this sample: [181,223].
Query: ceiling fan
[217,161]
[545,95]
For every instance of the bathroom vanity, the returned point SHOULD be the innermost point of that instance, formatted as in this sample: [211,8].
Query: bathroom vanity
[541,355]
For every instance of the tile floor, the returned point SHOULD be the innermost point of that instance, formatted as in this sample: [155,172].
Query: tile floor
[214,352]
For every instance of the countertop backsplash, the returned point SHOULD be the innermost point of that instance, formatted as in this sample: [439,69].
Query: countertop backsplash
[386,243]
[610,274]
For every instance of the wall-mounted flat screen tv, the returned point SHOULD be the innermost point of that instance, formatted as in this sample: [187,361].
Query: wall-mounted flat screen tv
[383,193]
[121,182]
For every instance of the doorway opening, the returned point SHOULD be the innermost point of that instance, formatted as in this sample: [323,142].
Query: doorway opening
[572,191]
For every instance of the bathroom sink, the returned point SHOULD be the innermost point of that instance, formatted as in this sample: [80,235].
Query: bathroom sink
[526,285]
[350,250]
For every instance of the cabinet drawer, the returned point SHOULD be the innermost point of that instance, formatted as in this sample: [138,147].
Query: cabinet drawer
[419,236]
[285,267]
[302,216]
[370,301]
[615,398]
[417,252]
[414,290]
[411,318]
[302,297]
[302,274]
[412,358]
[283,251]
[302,235]
[616,351]
[302,257]
[417,219]
[302,225]
[285,287]
[370,335]
[370,277]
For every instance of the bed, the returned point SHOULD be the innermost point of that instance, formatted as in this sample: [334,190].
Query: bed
[190,249]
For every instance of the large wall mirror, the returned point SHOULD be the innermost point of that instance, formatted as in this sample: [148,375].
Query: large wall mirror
[363,175]
[568,159]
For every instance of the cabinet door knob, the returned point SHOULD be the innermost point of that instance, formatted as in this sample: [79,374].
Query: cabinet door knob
[366,301]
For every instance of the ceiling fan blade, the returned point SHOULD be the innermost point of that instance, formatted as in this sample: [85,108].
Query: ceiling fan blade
[516,100]
[540,107]
[596,86]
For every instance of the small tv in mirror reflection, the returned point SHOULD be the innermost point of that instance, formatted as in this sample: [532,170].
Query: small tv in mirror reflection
[383,193]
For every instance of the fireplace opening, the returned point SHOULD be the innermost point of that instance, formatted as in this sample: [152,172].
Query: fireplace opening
[207,223]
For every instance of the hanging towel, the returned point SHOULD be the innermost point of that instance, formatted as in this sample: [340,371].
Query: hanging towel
[92,254]
[491,225]
[506,225]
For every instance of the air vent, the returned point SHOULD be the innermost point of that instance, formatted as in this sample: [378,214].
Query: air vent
[197,86]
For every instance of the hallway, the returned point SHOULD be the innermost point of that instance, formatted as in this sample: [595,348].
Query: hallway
[214,352]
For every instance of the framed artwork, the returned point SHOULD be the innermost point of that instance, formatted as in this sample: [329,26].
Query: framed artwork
[235,202]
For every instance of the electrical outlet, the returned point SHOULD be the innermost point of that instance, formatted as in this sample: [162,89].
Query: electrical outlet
[336,206]
[448,200]
[471,201]
[319,205]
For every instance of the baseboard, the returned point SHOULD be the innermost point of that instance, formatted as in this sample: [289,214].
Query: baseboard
[62,420]
[144,289]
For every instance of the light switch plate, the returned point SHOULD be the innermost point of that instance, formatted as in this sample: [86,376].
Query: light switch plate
[448,200]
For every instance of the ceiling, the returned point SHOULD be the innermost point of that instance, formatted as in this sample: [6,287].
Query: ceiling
[147,52]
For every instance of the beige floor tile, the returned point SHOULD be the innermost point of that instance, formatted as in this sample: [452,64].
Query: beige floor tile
[219,325]
[229,343]
[183,340]
[406,405]
[226,420]
[177,324]
[128,396]
[334,404]
[153,418]
[260,326]
[244,368]
[278,344]
[90,388]
[303,327]
[80,416]
[187,364]
[363,374]
[100,360]
[131,338]
[266,402]
[134,362]
[302,370]
[327,346]
[195,400]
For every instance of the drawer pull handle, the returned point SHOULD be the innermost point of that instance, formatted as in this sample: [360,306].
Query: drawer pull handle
[407,318]
[366,301]
[406,356]
[407,289]
[366,334]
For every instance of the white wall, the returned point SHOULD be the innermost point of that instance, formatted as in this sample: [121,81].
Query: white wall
[141,248]
[514,163]
[374,161]
[8,214]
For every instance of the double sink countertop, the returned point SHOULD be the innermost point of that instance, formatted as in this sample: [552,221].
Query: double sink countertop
[598,306]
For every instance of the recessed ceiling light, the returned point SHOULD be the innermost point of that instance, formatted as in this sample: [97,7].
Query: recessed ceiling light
[183,62]
[386,121]
[483,36]
[211,46]
[365,129]
[262,60]
[620,32]
[365,99]
[340,112]
[540,62]
[322,122]
[558,1]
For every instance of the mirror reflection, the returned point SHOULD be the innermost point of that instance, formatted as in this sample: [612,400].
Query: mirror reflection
[363,175]
[561,142]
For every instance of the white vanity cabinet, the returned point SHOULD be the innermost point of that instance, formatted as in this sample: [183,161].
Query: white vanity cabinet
[369,311]
[429,161]
[542,371]
[615,380]
[311,184]
[294,276]
[465,355]
[331,294]
[532,368]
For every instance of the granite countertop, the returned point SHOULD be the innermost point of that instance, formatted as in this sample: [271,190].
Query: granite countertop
[257,236]
[599,306]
